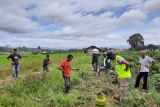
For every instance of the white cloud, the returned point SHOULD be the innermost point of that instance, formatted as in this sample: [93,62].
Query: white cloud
[94,5]
[151,38]
[14,18]
[156,22]
[133,17]
[151,6]
[76,28]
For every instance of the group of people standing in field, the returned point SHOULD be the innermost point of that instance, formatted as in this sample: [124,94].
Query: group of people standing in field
[122,69]
[65,67]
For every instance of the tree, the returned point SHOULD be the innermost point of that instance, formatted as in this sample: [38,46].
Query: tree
[39,48]
[151,47]
[136,41]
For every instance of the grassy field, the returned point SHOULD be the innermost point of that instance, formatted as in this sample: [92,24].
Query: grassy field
[38,89]
[28,63]
[43,89]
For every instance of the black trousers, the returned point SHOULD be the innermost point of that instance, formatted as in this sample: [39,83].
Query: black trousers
[95,65]
[139,77]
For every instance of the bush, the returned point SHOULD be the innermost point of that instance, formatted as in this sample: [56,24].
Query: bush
[135,100]
[155,69]
[156,81]
[156,97]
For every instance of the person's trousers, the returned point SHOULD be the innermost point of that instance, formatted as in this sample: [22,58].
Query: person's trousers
[139,77]
[95,65]
[15,70]
[106,69]
[123,83]
[66,84]
[45,68]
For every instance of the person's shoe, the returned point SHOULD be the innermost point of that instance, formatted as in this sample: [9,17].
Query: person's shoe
[66,91]
[136,89]
[16,78]
[92,69]
[145,90]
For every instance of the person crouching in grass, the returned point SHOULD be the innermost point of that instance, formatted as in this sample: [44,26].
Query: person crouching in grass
[65,67]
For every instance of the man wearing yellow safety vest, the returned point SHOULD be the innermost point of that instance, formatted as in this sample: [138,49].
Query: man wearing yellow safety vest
[123,73]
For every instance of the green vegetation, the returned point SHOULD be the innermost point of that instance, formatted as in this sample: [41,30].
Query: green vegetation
[38,89]
[46,89]
[29,63]
[138,98]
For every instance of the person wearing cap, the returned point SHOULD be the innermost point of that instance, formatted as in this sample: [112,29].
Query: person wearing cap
[123,73]
[14,60]
[95,59]
[145,62]
[46,62]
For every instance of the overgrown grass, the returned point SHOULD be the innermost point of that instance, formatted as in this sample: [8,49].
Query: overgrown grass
[139,98]
[28,63]
[46,89]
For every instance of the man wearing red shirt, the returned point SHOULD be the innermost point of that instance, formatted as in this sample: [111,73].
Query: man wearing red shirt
[65,67]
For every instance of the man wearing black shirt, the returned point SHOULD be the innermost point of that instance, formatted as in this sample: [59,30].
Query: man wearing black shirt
[45,63]
[14,59]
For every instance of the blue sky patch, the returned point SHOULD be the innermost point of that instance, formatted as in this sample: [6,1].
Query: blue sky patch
[47,25]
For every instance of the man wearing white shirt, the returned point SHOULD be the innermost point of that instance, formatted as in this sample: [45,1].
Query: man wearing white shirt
[106,62]
[144,64]
[95,58]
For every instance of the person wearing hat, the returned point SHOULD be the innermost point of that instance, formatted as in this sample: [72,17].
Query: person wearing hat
[14,59]
[46,62]
[123,73]
[95,59]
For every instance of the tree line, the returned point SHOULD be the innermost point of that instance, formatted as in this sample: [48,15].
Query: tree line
[136,41]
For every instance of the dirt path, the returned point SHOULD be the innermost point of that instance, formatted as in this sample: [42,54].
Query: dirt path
[102,85]
[97,84]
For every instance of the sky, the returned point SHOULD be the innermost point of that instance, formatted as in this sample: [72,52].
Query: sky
[78,23]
